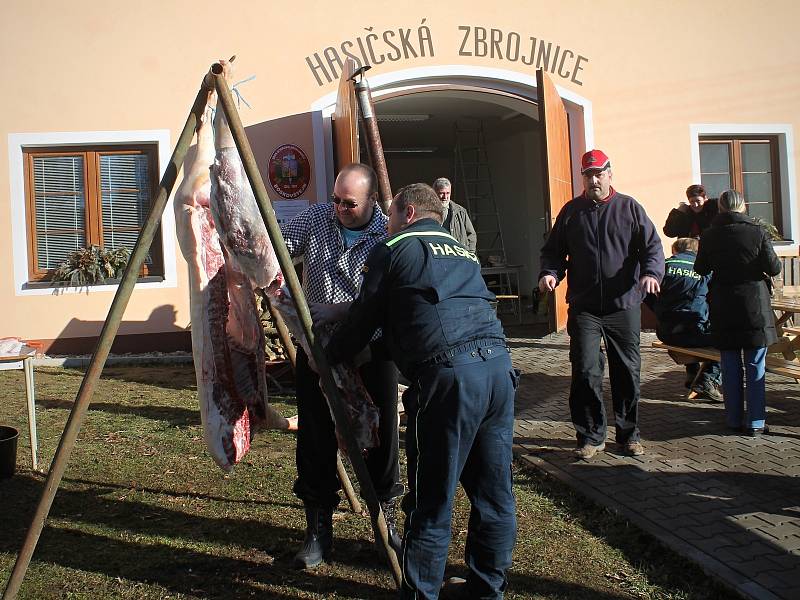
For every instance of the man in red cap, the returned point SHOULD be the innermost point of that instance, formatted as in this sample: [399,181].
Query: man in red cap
[609,249]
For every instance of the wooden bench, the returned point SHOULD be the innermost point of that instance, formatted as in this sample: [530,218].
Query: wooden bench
[774,364]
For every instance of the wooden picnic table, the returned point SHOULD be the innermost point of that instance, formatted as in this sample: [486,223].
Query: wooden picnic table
[786,305]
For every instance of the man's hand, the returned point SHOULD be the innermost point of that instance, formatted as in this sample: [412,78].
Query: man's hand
[547,283]
[326,314]
[649,285]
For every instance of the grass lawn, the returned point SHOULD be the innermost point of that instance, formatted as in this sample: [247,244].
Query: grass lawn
[144,513]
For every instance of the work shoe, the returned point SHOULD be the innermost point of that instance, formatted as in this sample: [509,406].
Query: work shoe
[319,538]
[633,449]
[756,431]
[454,588]
[708,392]
[587,450]
[389,508]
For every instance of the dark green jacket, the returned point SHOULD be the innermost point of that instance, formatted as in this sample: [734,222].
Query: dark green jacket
[460,226]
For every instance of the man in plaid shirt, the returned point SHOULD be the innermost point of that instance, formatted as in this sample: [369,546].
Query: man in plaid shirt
[335,240]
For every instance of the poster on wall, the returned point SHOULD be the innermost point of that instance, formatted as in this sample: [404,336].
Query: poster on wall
[289,171]
[286,210]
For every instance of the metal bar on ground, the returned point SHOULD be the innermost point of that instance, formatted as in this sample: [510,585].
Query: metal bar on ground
[109,331]
[291,352]
[30,399]
[366,109]
[298,297]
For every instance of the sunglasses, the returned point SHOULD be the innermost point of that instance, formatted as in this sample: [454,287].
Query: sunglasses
[349,204]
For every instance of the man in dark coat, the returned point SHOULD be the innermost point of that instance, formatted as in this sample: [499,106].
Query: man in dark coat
[456,218]
[425,290]
[692,217]
[608,246]
[740,254]
[682,312]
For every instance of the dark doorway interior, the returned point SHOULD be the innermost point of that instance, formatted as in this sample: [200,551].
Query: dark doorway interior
[427,135]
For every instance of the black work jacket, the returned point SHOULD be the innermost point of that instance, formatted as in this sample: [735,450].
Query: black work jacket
[603,248]
[681,306]
[739,253]
[690,224]
[425,291]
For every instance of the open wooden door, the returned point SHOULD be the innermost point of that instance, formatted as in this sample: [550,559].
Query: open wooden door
[558,174]
[345,120]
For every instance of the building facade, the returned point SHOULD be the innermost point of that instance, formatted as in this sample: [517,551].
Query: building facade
[675,93]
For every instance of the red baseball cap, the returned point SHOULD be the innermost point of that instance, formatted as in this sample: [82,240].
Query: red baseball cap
[594,160]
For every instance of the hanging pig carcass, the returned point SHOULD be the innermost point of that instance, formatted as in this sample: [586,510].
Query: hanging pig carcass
[227,339]
[244,235]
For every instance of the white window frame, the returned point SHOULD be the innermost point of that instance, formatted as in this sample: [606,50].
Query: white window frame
[786,164]
[19,229]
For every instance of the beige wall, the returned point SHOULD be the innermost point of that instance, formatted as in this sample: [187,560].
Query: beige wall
[651,70]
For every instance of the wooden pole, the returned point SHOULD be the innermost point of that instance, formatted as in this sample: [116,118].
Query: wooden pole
[107,335]
[329,387]
[374,145]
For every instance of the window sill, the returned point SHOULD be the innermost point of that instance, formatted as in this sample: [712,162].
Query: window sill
[58,287]
[786,247]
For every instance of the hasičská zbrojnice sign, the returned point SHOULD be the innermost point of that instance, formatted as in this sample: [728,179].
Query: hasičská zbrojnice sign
[393,45]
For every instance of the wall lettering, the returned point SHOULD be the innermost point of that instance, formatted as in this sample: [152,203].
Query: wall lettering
[497,44]
[372,49]
[392,45]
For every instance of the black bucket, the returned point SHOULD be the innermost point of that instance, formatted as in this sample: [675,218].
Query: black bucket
[8,451]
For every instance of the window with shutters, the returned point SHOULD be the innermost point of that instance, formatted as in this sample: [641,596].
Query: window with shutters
[82,196]
[749,164]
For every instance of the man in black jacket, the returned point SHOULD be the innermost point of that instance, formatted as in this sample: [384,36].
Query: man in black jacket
[693,217]
[609,249]
[425,290]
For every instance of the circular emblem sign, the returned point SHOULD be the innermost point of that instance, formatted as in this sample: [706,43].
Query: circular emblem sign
[289,171]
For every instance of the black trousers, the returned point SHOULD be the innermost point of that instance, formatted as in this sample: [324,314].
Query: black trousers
[619,332]
[317,483]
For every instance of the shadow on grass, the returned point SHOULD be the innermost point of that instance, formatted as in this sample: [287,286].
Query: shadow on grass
[103,487]
[176,377]
[525,585]
[262,551]
[176,417]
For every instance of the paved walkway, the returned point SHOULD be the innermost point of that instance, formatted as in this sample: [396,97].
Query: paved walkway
[727,502]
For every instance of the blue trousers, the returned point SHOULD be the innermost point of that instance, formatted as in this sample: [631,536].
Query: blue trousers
[460,428]
[735,391]
[711,374]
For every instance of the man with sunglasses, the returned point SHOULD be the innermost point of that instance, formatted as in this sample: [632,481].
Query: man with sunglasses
[335,239]
[425,290]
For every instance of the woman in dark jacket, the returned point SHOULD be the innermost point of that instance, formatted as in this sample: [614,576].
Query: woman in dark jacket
[738,253]
[692,217]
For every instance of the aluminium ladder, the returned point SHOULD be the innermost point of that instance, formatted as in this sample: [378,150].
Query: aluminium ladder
[474,179]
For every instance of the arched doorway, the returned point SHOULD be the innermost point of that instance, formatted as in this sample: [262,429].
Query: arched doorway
[531,132]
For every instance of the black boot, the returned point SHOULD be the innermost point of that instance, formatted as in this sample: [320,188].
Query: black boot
[389,508]
[319,538]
